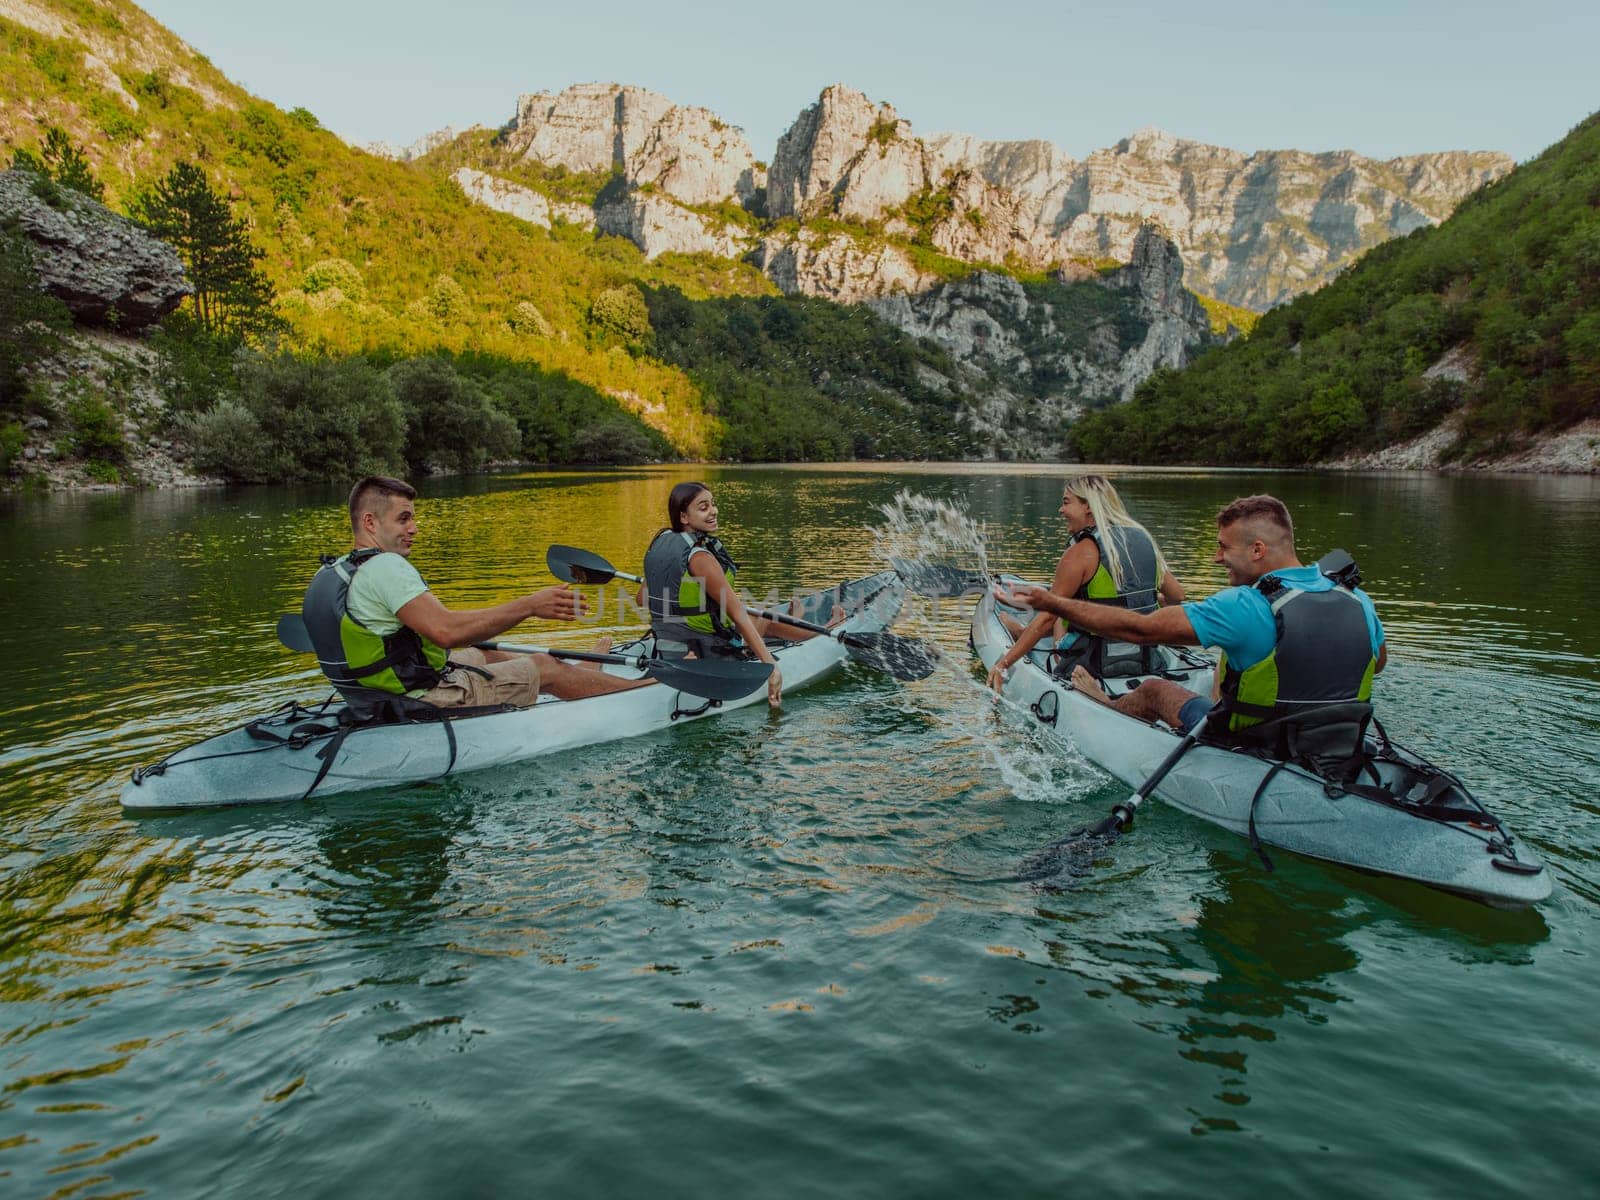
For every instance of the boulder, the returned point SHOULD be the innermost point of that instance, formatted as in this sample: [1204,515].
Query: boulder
[95,262]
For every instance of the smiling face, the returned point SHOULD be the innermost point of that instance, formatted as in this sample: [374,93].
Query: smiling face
[701,515]
[1075,511]
[391,524]
[1242,552]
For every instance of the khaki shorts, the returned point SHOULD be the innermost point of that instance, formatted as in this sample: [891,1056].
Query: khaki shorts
[515,681]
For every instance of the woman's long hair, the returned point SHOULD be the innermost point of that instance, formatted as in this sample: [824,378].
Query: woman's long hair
[1108,511]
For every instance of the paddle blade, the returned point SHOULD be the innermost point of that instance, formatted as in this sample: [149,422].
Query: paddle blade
[938,580]
[712,678]
[571,565]
[904,658]
[1074,852]
[292,632]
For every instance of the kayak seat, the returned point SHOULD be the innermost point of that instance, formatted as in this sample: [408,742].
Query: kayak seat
[1330,739]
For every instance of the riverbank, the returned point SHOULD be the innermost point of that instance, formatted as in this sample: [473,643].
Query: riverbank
[1572,451]
[126,372]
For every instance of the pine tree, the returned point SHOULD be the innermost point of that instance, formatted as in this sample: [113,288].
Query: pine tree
[232,297]
[69,166]
[62,160]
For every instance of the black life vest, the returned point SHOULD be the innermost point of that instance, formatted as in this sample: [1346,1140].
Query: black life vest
[1138,592]
[1322,656]
[354,657]
[682,616]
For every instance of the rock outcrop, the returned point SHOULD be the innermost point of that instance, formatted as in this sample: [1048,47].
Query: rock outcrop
[1252,229]
[423,145]
[524,203]
[92,260]
[690,154]
[1051,351]
[657,225]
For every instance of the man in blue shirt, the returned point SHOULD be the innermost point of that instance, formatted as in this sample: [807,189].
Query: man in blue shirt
[1255,539]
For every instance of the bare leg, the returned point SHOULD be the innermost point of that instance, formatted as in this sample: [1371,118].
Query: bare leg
[1013,626]
[1152,699]
[567,682]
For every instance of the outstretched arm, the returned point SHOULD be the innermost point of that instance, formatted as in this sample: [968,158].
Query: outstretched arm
[452,629]
[1165,627]
[719,592]
[1073,570]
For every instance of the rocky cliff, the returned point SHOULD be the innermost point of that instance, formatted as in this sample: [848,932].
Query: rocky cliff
[1253,229]
[1049,350]
[690,154]
[857,208]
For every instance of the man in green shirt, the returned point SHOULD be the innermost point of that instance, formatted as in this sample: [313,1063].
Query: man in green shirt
[425,650]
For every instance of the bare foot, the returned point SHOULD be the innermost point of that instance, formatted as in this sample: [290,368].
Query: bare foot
[602,646]
[1085,683]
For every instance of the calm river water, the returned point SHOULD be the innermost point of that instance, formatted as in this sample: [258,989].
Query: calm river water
[776,954]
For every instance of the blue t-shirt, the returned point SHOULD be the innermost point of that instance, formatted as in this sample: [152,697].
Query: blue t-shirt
[1238,620]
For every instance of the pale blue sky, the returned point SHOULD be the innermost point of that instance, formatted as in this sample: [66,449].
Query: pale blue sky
[1383,78]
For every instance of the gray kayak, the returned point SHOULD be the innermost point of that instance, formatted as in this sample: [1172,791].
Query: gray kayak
[1433,833]
[297,750]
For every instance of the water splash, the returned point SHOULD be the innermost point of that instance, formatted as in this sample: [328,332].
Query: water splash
[938,543]
[922,529]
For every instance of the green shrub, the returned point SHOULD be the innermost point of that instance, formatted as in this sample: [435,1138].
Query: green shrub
[11,439]
[527,320]
[227,440]
[621,311]
[450,420]
[332,273]
[30,321]
[448,300]
[95,428]
[612,443]
[323,420]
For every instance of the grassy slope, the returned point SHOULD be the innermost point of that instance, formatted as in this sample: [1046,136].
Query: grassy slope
[1513,276]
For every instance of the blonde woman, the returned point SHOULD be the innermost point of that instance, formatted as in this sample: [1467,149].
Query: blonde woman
[1110,559]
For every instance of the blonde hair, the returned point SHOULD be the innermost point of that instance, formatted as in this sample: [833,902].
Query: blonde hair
[1108,511]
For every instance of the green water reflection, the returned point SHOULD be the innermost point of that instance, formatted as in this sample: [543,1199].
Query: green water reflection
[774,947]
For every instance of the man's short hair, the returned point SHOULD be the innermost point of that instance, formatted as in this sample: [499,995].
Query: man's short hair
[1268,510]
[367,490]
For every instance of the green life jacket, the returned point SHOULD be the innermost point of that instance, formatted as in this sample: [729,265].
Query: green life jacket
[1323,655]
[353,656]
[1140,569]
[681,615]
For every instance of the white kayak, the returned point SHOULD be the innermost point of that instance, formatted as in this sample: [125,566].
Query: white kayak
[296,751]
[1439,836]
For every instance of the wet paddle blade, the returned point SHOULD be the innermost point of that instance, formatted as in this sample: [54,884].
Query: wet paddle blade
[711,678]
[1073,853]
[292,632]
[938,580]
[904,658]
[571,565]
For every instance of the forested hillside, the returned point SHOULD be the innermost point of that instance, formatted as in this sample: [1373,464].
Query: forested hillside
[1491,321]
[384,261]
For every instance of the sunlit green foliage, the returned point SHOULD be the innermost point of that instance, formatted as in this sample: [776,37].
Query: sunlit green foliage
[1512,279]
